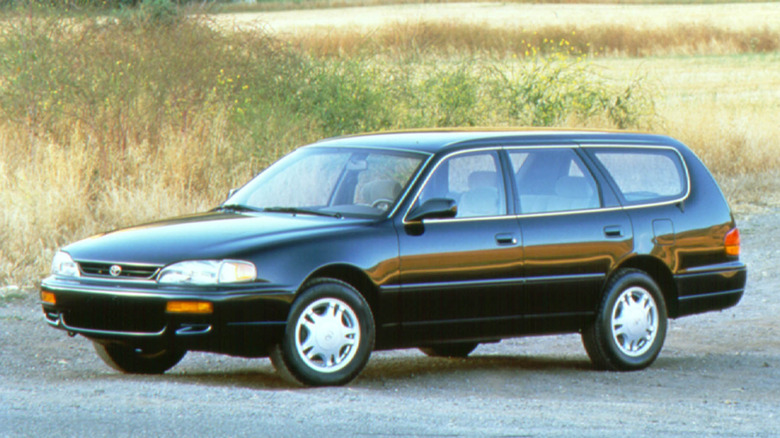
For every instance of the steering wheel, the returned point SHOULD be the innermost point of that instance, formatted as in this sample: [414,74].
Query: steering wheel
[382,204]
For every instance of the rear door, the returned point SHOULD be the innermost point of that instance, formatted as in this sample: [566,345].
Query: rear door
[574,232]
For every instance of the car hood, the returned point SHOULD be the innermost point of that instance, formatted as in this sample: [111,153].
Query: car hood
[214,235]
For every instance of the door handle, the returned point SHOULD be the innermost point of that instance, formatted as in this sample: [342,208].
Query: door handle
[506,239]
[613,231]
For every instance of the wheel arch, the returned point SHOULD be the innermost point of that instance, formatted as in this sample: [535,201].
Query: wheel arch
[351,275]
[660,273]
[314,353]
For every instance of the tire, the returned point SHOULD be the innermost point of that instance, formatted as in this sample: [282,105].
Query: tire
[328,338]
[136,360]
[455,349]
[630,325]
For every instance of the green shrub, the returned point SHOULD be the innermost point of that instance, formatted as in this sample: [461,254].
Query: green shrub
[123,86]
[130,120]
[151,14]
[344,96]
[548,90]
[453,96]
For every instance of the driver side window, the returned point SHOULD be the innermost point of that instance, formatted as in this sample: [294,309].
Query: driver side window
[473,181]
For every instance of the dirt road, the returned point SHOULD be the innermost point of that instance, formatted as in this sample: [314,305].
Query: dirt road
[718,375]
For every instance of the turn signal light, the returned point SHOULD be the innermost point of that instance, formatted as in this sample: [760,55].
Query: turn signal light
[189,307]
[732,242]
[48,298]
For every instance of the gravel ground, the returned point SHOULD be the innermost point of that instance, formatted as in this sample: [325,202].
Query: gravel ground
[717,376]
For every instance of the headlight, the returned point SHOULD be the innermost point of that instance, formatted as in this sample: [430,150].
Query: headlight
[208,272]
[63,265]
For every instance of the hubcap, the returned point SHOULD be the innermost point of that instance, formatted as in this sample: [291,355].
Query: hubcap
[634,321]
[327,335]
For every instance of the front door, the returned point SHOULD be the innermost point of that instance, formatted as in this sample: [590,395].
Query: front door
[461,277]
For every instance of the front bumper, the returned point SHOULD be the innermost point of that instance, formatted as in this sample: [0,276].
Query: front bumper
[244,321]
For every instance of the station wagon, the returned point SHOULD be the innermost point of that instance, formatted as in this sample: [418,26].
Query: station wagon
[437,240]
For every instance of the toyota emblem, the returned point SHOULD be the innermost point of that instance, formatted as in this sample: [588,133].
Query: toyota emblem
[115,270]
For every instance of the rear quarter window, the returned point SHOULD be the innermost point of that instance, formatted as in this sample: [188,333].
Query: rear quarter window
[645,175]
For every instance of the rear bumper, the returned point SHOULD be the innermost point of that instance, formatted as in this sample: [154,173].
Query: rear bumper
[244,322]
[710,288]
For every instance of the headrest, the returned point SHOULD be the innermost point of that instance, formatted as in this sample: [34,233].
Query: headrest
[483,178]
[573,187]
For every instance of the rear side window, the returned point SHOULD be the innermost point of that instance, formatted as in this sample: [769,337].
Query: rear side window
[645,175]
[552,180]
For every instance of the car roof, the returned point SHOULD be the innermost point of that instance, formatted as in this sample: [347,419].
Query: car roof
[433,141]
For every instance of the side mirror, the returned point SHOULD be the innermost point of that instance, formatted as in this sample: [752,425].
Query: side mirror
[436,208]
[231,192]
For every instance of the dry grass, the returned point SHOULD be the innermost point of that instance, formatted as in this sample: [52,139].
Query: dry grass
[725,108]
[711,91]
[287,5]
[50,195]
[508,28]
[62,179]
[508,15]
[433,38]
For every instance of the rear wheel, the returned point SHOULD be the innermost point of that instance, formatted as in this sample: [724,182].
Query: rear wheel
[137,360]
[630,325]
[329,335]
[455,349]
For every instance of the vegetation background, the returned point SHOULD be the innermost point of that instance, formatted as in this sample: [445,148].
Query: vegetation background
[119,112]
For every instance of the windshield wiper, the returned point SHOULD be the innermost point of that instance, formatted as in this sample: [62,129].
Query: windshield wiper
[296,210]
[237,208]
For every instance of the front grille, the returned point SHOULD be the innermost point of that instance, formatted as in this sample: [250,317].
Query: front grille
[128,271]
[118,314]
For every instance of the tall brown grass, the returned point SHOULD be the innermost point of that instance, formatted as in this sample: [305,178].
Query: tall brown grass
[286,5]
[738,143]
[53,193]
[110,122]
[436,38]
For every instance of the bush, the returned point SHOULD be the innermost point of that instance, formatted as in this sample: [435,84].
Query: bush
[549,90]
[151,14]
[109,121]
[345,96]
[452,97]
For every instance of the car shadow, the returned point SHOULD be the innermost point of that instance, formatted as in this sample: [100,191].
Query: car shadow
[390,368]
[381,371]
[262,376]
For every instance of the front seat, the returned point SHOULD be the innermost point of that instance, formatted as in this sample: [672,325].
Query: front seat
[482,198]
[385,189]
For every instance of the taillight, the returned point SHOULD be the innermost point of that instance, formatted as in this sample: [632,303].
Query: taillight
[732,242]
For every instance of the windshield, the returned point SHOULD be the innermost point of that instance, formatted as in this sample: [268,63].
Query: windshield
[332,181]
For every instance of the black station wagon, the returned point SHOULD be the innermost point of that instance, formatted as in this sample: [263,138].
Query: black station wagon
[439,240]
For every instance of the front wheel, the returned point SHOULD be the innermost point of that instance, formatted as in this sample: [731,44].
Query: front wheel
[630,325]
[134,360]
[329,335]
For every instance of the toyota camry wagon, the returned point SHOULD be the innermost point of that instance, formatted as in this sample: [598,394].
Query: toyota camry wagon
[437,240]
